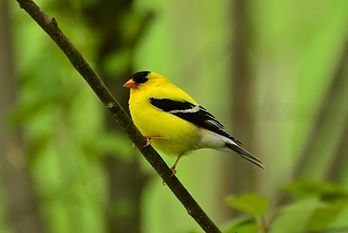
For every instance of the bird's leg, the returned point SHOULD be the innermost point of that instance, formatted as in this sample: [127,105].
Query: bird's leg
[173,168]
[149,138]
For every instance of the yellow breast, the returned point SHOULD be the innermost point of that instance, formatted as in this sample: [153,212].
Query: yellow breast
[178,135]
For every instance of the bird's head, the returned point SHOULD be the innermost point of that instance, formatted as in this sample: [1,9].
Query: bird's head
[143,79]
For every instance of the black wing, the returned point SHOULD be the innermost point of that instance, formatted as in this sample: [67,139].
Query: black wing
[197,115]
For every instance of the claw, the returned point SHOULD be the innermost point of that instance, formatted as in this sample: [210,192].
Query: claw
[173,168]
[149,139]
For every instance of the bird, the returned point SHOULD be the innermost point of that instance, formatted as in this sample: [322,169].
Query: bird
[173,122]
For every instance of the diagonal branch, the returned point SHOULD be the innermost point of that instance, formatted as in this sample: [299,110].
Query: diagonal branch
[337,85]
[50,26]
[338,161]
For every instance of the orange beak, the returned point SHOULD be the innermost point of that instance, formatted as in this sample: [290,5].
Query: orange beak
[130,84]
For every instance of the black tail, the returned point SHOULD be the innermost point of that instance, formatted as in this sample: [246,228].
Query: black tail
[246,155]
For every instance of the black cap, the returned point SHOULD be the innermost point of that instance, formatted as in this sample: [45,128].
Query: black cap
[140,77]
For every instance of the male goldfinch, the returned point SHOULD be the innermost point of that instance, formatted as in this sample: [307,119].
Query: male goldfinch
[173,122]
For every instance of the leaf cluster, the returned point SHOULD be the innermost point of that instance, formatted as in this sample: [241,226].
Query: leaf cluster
[312,207]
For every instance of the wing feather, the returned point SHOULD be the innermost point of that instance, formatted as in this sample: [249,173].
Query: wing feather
[195,114]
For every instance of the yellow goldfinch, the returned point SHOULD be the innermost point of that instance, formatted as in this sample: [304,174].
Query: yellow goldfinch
[173,122]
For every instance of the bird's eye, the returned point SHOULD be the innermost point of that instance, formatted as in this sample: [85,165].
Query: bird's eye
[141,77]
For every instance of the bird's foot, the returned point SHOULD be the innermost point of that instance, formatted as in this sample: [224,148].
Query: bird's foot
[173,169]
[149,139]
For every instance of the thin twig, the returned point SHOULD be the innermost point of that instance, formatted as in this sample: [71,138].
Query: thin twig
[50,26]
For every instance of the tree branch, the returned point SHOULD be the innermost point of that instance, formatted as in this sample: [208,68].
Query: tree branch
[338,161]
[50,26]
[337,85]
[242,93]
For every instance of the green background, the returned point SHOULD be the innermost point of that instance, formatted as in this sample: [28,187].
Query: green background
[293,51]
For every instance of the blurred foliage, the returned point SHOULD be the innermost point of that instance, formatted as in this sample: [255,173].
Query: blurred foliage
[250,203]
[314,207]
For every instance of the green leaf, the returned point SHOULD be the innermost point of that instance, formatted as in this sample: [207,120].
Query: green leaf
[294,218]
[324,216]
[242,225]
[309,188]
[250,203]
[332,197]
